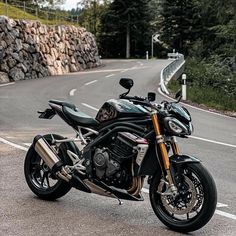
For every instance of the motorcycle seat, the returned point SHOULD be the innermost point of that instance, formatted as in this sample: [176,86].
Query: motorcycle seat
[78,117]
[63,103]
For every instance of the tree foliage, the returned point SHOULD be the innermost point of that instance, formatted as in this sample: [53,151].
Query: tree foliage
[126,25]
[180,24]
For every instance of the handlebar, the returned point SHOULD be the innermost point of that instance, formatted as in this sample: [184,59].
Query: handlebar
[138,98]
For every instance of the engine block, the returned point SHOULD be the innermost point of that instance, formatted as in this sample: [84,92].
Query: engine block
[113,164]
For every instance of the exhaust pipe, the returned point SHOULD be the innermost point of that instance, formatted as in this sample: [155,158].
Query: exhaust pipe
[50,157]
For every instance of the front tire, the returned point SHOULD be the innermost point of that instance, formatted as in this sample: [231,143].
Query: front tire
[39,177]
[194,206]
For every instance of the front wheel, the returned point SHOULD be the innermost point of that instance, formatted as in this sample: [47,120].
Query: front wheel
[195,203]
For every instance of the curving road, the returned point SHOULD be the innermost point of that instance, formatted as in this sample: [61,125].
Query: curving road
[214,142]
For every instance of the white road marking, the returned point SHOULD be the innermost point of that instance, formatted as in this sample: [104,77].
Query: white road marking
[225,214]
[91,82]
[196,108]
[27,144]
[13,144]
[145,190]
[123,71]
[109,75]
[221,205]
[105,71]
[91,107]
[72,92]
[212,141]
[3,85]
[140,63]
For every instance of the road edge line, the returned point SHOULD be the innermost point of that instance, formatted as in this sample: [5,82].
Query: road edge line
[197,108]
[213,141]
[225,214]
[13,144]
[3,85]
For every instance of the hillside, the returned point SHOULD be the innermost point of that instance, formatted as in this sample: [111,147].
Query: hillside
[17,13]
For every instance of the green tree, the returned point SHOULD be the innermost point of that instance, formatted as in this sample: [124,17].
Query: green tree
[90,13]
[126,25]
[181,24]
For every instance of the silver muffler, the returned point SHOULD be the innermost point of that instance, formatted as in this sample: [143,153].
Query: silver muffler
[50,157]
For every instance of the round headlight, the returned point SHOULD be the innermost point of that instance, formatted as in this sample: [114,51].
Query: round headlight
[175,127]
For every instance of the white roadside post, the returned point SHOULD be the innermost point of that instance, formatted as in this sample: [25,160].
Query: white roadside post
[184,87]
[147,57]
[155,39]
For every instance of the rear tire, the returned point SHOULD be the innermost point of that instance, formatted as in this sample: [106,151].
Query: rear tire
[40,179]
[204,204]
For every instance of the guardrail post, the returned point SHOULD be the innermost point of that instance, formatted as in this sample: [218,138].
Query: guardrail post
[24,10]
[147,57]
[152,47]
[6,7]
[47,17]
[184,87]
[36,12]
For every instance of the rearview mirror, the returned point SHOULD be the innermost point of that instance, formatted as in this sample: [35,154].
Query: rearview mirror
[178,94]
[126,83]
[151,97]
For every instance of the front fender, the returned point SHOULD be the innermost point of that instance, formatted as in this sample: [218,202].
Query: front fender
[150,164]
[182,159]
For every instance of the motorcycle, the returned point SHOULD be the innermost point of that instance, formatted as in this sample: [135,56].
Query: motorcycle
[131,138]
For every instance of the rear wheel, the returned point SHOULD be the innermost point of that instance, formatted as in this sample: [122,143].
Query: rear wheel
[195,204]
[39,177]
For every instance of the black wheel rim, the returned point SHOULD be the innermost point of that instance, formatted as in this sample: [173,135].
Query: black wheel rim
[171,215]
[40,175]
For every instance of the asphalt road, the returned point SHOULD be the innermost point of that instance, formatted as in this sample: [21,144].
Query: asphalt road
[21,213]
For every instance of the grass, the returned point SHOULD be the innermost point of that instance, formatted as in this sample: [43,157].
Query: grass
[207,96]
[17,13]
[14,12]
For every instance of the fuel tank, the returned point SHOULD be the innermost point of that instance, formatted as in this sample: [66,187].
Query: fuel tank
[113,109]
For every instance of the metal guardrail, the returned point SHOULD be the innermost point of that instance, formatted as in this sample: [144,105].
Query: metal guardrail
[174,69]
[48,15]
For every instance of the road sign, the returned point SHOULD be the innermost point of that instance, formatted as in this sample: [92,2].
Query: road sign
[155,38]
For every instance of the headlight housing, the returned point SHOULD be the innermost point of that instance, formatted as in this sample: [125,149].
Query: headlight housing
[176,127]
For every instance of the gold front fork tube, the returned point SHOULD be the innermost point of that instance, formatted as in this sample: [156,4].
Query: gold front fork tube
[162,146]
[174,146]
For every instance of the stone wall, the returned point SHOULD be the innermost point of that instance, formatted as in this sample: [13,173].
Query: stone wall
[29,50]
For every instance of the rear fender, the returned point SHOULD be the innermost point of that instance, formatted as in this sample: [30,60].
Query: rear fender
[47,114]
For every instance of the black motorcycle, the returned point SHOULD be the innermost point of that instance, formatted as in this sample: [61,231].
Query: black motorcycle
[129,139]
